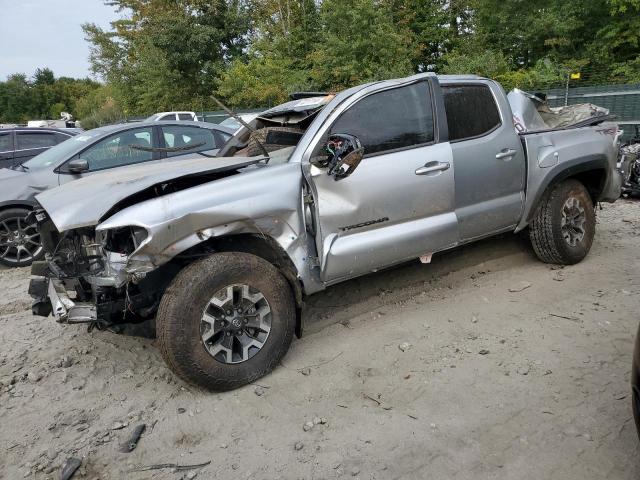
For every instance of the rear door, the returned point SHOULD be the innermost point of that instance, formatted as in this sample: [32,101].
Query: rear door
[30,143]
[399,203]
[489,158]
[6,148]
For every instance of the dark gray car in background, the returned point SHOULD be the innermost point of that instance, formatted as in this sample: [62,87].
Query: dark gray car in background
[19,144]
[82,155]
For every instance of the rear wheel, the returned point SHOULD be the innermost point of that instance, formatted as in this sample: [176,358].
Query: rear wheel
[564,225]
[19,240]
[226,320]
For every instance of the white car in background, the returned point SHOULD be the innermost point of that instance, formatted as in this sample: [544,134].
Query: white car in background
[183,116]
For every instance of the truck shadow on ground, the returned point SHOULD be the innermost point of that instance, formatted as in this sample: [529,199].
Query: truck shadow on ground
[342,302]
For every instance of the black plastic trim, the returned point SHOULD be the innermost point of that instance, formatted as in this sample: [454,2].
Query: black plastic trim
[577,165]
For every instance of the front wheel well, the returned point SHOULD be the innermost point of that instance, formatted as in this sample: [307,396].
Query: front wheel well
[9,206]
[262,246]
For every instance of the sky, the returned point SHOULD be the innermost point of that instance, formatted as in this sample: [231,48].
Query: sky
[48,33]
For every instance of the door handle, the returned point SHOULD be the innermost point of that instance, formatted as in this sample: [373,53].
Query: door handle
[505,153]
[431,167]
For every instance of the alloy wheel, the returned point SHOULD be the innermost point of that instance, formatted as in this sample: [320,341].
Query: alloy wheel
[235,323]
[19,240]
[573,221]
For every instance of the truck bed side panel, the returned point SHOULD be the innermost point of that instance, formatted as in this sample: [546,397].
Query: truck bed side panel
[555,155]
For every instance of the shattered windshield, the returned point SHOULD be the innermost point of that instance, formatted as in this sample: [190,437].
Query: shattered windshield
[278,129]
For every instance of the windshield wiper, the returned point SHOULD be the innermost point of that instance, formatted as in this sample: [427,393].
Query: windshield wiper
[167,149]
[244,124]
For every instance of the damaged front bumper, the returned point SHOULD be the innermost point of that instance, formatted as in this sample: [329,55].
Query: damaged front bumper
[50,296]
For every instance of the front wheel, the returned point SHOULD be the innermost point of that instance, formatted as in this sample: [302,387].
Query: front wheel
[226,320]
[564,224]
[19,240]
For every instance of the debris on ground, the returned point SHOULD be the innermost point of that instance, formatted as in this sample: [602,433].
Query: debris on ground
[132,442]
[176,467]
[70,466]
[519,287]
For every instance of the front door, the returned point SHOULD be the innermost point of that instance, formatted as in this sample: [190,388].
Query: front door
[399,203]
[123,148]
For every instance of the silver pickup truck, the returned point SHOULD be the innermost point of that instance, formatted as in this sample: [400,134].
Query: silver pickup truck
[222,249]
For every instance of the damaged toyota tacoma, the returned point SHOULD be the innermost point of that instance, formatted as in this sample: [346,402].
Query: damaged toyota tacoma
[221,250]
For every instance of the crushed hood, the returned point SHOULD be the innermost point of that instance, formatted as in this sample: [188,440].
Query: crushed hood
[86,201]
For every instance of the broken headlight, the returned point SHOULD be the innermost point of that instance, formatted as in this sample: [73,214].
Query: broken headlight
[124,240]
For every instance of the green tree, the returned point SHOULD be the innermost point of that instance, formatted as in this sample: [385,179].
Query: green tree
[42,97]
[168,55]
[359,42]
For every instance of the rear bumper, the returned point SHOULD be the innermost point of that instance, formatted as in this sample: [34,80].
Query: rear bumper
[50,296]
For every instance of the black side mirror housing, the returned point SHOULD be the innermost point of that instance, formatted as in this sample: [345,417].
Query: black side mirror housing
[344,154]
[78,165]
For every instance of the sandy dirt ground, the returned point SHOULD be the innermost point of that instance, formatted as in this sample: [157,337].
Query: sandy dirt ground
[486,364]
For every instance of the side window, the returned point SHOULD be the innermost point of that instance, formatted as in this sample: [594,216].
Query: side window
[471,111]
[125,148]
[391,119]
[61,137]
[185,116]
[171,116]
[187,139]
[6,144]
[27,140]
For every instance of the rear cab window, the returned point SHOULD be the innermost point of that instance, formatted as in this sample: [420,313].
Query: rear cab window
[471,111]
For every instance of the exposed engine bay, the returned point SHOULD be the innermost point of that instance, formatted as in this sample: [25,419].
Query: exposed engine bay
[278,128]
[629,165]
[88,268]
[93,278]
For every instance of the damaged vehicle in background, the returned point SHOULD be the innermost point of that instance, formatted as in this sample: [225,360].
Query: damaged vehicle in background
[629,165]
[93,151]
[222,252]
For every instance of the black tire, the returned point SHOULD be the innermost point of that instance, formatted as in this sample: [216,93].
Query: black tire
[554,243]
[179,319]
[12,220]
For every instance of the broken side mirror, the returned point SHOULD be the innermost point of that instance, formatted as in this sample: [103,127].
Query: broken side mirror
[344,154]
[78,165]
